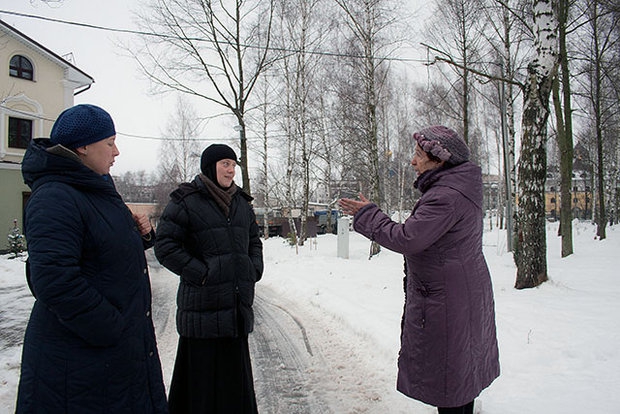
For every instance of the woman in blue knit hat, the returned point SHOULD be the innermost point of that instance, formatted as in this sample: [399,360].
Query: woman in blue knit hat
[449,350]
[90,343]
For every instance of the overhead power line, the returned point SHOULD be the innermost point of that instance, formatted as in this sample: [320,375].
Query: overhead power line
[166,36]
[214,139]
[197,39]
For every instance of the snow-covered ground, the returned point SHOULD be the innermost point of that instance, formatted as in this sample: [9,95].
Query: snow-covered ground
[559,343]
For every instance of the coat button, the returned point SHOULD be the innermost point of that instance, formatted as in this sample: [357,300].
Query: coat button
[148,313]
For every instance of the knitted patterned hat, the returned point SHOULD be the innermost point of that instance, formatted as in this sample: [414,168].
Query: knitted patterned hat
[443,143]
[212,154]
[82,125]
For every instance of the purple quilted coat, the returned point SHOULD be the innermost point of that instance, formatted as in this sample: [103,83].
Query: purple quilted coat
[448,351]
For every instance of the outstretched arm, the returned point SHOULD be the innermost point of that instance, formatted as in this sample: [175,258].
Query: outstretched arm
[351,207]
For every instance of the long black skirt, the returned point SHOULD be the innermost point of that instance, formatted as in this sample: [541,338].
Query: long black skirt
[212,376]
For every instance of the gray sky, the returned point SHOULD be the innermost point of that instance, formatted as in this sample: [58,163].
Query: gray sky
[119,87]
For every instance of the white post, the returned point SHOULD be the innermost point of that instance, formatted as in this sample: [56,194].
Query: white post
[343,237]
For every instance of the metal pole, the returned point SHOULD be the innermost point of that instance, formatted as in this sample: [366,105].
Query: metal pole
[343,238]
[507,165]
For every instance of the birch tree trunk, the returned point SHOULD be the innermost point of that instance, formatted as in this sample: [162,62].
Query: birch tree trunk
[531,247]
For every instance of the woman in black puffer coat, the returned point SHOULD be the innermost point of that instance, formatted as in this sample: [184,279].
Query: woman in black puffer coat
[90,343]
[209,237]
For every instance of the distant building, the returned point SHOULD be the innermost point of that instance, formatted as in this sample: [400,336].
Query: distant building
[490,191]
[582,202]
[345,188]
[36,85]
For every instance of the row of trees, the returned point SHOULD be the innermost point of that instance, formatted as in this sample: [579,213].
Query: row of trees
[322,92]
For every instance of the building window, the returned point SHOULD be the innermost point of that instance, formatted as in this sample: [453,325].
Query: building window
[20,132]
[21,67]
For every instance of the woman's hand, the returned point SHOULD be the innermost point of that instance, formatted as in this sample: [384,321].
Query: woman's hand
[351,207]
[143,223]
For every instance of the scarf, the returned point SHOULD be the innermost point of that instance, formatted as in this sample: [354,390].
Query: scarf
[222,196]
[429,177]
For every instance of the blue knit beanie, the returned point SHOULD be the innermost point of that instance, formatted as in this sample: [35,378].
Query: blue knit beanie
[82,125]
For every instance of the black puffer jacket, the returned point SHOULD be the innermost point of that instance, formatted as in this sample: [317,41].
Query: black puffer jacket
[218,258]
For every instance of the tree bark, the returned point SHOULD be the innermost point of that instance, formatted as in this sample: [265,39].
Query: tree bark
[601,218]
[531,250]
[564,119]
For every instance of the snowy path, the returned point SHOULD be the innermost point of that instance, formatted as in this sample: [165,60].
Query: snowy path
[279,354]
[282,358]
[305,360]
[301,364]
[558,342]
[12,323]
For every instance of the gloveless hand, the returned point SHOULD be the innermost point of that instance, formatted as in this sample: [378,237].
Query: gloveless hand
[143,223]
[351,207]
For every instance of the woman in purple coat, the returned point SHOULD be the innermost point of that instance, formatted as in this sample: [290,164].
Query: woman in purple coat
[449,348]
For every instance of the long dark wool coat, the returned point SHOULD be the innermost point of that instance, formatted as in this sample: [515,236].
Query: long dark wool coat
[90,343]
[449,350]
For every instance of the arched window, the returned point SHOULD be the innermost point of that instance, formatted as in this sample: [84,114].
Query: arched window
[21,67]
